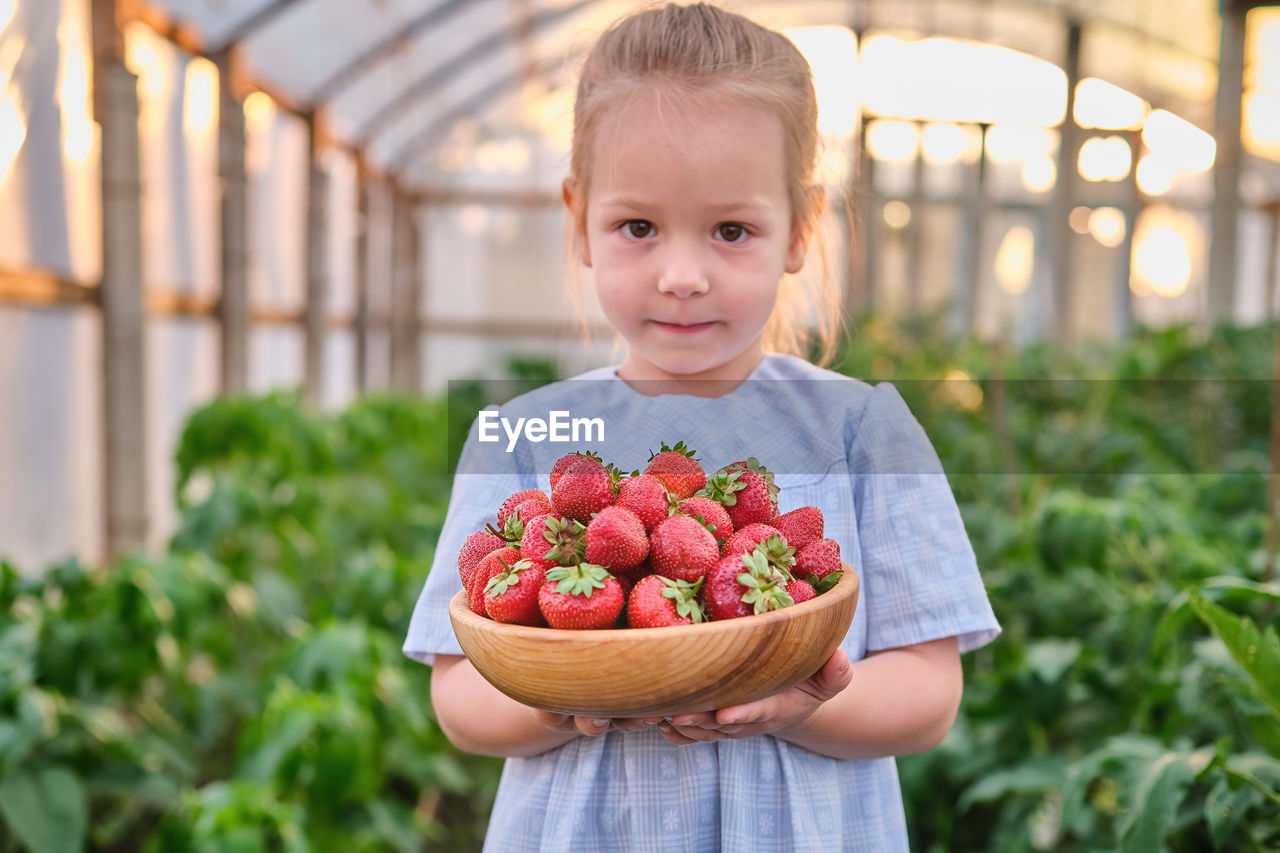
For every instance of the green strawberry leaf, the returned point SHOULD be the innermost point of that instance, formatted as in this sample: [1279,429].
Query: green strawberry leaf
[823,584]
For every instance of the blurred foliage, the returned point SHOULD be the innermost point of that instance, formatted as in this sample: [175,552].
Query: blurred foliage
[245,690]
[1116,502]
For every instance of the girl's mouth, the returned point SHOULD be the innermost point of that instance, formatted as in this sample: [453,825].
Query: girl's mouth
[683,328]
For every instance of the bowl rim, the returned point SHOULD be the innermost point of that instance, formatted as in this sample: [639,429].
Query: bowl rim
[460,611]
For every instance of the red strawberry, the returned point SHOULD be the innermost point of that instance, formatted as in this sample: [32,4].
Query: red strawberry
[580,596]
[564,462]
[819,563]
[533,508]
[800,526]
[616,539]
[713,514]
[678,470]
[582,489]
[552,541]
[755,502]
[656,602]
[512,594]
[743,585]
[800,590]
[682,548]
[647,497]
[477,546]
[745,540]
[510,504]
[493,564]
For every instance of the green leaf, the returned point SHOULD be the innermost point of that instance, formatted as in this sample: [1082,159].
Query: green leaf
[1224,807]
[1161,787]
[1050,658]
[1257,652]
[1037,776]
[46,809]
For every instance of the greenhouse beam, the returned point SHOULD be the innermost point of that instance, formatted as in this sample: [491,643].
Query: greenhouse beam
[1227,116]
[233,301]
[1058,228]
[317,272]
[405,294]
[115,108]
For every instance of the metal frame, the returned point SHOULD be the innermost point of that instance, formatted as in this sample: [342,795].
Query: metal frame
[428,83]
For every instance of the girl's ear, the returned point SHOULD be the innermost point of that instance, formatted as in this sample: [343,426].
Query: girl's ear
[567,190]
[803,229]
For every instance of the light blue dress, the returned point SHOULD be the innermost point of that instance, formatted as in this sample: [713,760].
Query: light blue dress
[853,451]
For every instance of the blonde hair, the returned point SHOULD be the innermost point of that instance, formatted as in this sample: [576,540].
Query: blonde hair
[692,51]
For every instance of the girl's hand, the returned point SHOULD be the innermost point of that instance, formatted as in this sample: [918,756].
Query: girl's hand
[771,714]
[591,725]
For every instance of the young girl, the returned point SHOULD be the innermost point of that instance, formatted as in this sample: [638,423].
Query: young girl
[691,198]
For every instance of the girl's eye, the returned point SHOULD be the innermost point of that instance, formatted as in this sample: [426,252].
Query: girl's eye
[638,228]
[731,232]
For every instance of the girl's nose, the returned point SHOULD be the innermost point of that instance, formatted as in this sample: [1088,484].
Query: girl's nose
[683,276]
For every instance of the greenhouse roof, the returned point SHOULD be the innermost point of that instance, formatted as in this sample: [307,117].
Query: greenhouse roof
[393,78]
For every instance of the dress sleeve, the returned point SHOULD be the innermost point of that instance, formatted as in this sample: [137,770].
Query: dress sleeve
[919,575]
[478,492]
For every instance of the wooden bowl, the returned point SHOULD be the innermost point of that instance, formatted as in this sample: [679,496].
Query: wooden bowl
[643,672]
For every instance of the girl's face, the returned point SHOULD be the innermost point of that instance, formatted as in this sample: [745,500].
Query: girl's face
[688,230]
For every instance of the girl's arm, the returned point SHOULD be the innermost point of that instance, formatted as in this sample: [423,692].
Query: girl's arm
[898,702]
[478,718]
[893,702]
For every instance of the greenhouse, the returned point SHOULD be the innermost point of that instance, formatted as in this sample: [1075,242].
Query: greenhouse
[264,261]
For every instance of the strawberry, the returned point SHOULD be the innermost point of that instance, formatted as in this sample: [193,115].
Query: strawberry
[710,513]
[580,596]
[819,563]
[564,462]
[800,590]
[616,539]
[682,548]
[584,487]
[533,508]
[477,546]
[678,469]
[493,564]
[800,526]
[745,540]
[647,497]
[656,602]
[510,504]
[512,594]
[744,585]
[758,498]
[552,540]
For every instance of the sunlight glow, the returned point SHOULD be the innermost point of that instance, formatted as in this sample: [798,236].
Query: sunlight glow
[1014,259]
[1161,261]
[1105,158]
[892,141]
[943,79]
[832,53]
[1106,224]
[200,97]
[1155,174]
[258,110]
[1008,143]
[1181,142]
[946,143]
[79,133]
[13,132]
[1107,107]
[1039,174]
[897,214]
[142,56]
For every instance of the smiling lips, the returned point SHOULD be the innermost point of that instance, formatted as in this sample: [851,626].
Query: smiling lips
[684,328]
